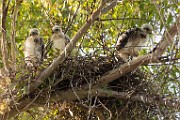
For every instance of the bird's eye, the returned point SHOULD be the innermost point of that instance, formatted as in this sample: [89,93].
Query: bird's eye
[57,30]
[147,29]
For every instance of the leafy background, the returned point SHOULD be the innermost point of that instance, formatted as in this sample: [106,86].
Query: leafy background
[101,37]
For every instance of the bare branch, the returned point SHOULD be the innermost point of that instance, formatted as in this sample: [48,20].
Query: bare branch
[13,33]
[73,18]
[46,73]
[116,19]
[166,40]
[5,5]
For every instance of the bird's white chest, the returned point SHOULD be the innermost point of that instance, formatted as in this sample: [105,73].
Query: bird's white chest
[32,49]
[58,44]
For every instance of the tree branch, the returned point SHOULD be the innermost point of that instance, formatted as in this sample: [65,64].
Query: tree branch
[5,5]
[47,72]
[166,40]
[13,32]
[73,18]
[111,19]
[60,96]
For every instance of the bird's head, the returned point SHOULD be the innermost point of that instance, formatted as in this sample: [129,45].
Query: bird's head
[56,29]
[33,31]
[147,28]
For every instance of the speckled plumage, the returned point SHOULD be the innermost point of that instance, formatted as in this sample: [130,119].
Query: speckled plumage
[33,49]
[130,42]
[59,39]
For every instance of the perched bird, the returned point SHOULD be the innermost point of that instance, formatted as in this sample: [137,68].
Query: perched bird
[59,39]
[129,43]
[33,49]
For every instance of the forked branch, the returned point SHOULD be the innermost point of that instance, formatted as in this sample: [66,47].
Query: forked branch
[47,72]
[166,40]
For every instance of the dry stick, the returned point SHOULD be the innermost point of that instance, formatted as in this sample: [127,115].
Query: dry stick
[60,96]
[47,72]
[166,40]
[73,18]
[13,33]
[116,19]
[109,111]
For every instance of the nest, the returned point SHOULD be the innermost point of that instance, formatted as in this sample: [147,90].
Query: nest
[79,71]
[76,72]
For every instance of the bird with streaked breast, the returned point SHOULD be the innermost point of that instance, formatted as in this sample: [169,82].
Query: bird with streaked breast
[33,49]
[59,39]
[130,42]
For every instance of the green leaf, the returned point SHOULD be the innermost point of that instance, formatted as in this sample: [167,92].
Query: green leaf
[53,2]
[169,19]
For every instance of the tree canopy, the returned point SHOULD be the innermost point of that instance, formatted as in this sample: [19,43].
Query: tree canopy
[87,80]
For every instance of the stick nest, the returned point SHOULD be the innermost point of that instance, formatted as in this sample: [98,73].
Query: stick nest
[76,72]
[80,71]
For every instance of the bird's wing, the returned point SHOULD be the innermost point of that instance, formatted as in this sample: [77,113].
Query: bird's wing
[39,47]
[124,38]
[42,47]
[67,39]
[47,47]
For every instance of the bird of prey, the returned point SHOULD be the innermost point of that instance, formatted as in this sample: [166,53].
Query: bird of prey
[129,43]
[33,49]
[59,39]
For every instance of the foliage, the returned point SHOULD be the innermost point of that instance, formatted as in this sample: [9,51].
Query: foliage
[162,78]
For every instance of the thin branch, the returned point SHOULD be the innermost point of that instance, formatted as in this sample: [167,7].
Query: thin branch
[115,19]
[5,5]
[73,18]
[166,40]
[47,72]
[109,111]
[13,33]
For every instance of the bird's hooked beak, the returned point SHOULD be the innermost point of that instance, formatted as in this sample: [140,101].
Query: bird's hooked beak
[56,29]
[34,33]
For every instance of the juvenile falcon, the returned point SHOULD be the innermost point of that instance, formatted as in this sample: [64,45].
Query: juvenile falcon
[59,39]
[33,49]
[129,43]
